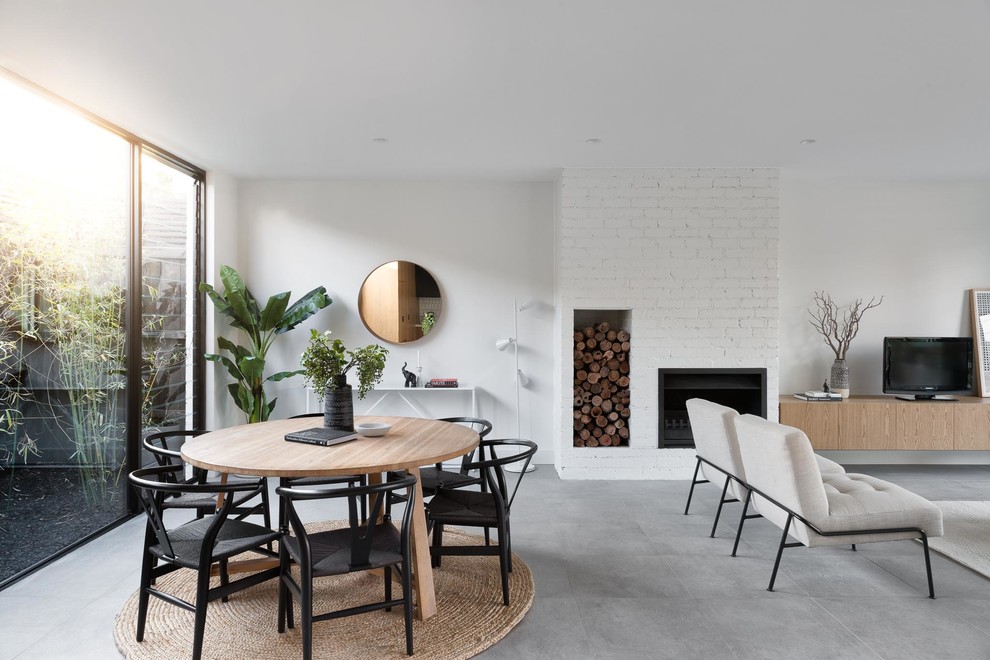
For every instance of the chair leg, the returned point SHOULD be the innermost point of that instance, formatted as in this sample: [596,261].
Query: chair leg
[306,613]
[266,508]
[407,603]
[854,547]
[694,481]
[224,578]
[928,566]
[780,551]
[508,544]
[742,521]
[147,566]
[503,561]
[281,605]
[202,593]
[721,502]
[388,586]
[437,543]
[289,616]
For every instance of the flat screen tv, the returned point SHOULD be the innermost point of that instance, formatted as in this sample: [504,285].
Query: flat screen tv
[927,366]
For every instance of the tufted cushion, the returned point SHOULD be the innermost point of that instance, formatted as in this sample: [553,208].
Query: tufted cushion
[860,502]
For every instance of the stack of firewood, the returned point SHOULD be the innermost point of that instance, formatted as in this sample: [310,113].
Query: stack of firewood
[601,387]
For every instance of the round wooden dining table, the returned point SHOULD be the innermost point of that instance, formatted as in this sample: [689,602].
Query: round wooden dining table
[261,450]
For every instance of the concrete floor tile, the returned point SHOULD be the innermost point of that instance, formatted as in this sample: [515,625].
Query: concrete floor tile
[784,627]
[910,628]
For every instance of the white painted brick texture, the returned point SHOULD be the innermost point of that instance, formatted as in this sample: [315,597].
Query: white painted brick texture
[693,254]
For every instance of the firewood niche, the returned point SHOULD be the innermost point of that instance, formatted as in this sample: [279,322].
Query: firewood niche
[601,385]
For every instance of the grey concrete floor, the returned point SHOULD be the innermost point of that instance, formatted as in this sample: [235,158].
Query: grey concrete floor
[621,573]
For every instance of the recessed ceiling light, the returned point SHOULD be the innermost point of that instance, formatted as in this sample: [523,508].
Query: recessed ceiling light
[593,140]
[379,139]
[808,141]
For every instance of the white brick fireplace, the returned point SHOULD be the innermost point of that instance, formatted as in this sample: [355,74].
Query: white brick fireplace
[692,255]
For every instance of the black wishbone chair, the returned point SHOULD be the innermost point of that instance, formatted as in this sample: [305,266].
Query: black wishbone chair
[490,508]
[434,476]
[195,545]
[361,546]
[165,446]
[349,479]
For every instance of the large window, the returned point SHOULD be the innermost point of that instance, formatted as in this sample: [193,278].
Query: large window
[99,317]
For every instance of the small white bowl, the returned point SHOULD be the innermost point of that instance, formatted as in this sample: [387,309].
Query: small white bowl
[372,430]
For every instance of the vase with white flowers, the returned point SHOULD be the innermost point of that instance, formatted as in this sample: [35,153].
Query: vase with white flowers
[325,363]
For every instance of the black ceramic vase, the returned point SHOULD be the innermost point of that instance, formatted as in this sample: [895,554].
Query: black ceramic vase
[338,407]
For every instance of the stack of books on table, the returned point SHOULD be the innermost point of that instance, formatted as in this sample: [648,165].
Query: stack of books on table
[819,396]
[442,382]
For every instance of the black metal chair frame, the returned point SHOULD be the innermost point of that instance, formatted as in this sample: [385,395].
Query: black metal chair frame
[361,542]
[494,476]
[349,479]
[791,516]
[151,495]
[722,500]
[466,481]
[167,457]
[486,428]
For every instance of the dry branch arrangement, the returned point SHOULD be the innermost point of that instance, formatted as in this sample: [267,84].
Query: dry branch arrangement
[825,319]
[601,387]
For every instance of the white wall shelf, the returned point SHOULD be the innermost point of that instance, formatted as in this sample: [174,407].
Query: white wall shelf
[414,397]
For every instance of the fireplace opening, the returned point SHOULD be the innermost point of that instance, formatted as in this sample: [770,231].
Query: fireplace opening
[742,389]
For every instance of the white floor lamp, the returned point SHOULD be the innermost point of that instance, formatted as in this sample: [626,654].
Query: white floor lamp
[521,379]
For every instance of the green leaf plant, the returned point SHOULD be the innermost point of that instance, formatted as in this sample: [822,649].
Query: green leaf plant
[326,362]
[246,364]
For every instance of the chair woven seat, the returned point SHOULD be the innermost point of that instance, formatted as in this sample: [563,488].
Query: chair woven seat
[332,550]
[464,507]
[432,479]
[204,500]
[235,537]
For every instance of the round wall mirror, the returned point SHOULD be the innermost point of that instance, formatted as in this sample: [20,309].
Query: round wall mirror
[400,302]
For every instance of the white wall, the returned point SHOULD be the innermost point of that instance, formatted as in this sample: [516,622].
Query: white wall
[221,249]
[692,252]
[485,243]
[921,245]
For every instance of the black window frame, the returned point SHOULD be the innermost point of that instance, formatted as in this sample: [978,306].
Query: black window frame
[133,377]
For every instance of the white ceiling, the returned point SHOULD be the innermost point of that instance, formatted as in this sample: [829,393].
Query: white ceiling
[896,89]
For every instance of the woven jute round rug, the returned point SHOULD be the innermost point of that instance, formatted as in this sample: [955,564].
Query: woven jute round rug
[470,616]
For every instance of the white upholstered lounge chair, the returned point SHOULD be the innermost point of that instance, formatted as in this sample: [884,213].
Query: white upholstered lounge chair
[819,509]
[719,462]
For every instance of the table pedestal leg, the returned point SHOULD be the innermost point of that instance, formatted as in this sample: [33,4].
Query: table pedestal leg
[422,571]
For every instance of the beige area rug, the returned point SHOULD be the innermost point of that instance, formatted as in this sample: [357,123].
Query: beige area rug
[966,538]
[470,615]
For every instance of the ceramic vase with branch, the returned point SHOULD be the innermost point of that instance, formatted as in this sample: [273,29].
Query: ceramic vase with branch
[839,326]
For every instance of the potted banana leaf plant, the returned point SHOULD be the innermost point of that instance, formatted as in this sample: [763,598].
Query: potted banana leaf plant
[246,364]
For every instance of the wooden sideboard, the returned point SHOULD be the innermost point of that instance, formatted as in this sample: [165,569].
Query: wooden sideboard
[884,422]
